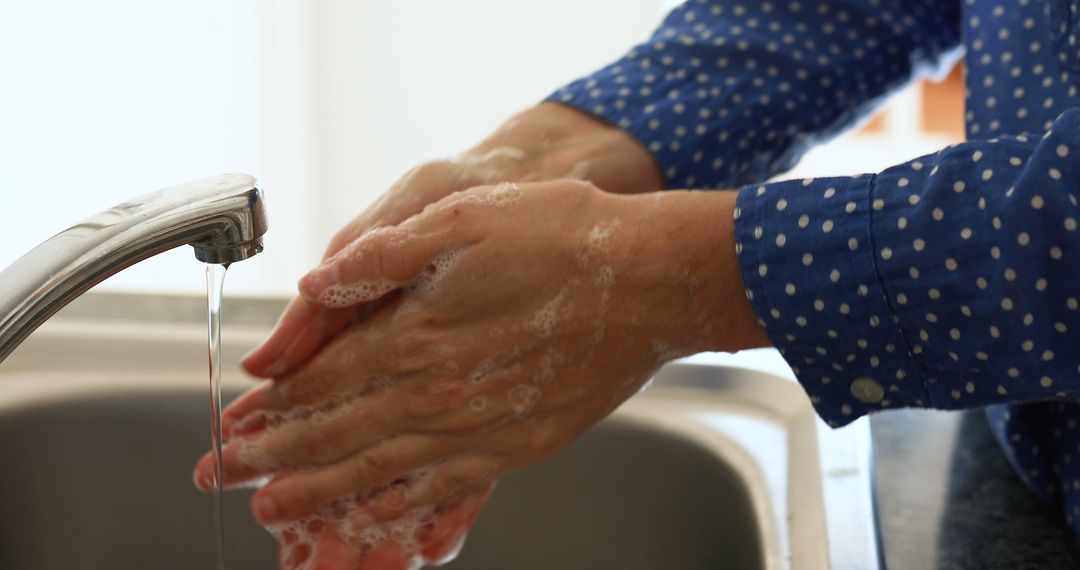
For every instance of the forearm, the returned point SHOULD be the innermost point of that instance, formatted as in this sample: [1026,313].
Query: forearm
[728,93]
[702,229]
[681,263]
[946,282]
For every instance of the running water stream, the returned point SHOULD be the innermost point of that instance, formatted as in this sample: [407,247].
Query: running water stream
[215,282]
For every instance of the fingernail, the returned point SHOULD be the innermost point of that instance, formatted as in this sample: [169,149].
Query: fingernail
[265,508]
[361,519]
[277,368]
[320,279]
[247,356]
[227,425]
[204,480]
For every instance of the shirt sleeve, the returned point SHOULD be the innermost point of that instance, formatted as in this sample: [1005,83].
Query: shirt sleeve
[728,92]
[950,281]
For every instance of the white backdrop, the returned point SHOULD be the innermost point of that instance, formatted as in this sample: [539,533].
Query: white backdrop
[325,101]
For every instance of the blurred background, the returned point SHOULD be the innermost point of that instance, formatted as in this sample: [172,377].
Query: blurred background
[327,102]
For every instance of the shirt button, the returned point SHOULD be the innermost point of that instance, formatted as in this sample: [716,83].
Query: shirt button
[867,390]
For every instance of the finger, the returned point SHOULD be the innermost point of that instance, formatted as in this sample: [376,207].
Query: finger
[302,493]
[302,329]
[355,362]
[333,553]
[445,548]
[367,355]
[388,555]
[447,481]
[240,418]
[420,186]
[383,260]
[343,370]
[293,556]
[326,437]
[444,538]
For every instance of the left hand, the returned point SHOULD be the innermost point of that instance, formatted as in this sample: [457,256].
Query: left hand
[513,318]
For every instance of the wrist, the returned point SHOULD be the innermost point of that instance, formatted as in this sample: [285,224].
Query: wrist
[699,251]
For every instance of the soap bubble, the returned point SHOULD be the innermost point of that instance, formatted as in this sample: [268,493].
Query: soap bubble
[489,166]
[348,517]
[600,237]
[346,295]
[522,399]
[543,323]
[580,170]
[437,270]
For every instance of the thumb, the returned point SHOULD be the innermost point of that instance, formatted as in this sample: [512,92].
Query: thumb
[383,260]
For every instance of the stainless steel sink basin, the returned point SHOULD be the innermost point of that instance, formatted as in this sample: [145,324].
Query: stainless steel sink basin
[103,411]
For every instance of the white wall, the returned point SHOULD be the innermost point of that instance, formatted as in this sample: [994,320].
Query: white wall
[103,101]
[404,81]
[325,101]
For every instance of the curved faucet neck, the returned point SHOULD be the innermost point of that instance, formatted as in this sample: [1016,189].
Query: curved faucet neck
[223,218]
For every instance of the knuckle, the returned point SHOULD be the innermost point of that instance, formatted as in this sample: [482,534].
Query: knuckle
[296,500]
[423,407]
[342,238]
[546,438]
[432,170]
[575,185]
[417,408]
[574,189]
[411,342]
[316,445]
[393,501]
[302,388]
[376,253]
[364,469]
[410,350]
[447,394]
[436,398]
[449,484]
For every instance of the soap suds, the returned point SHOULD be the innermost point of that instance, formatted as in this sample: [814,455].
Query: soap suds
[544,321]
[347,295]
[489,166]
[502,195]
[522,399]
[580,171]
[349,518]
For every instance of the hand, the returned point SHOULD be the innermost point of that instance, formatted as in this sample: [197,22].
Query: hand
[314,544]
[504,340]
[545,142]
[549,141]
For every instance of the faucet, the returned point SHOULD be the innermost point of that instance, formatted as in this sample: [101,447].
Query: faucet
[223,218]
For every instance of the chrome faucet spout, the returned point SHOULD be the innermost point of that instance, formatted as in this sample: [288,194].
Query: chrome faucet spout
[223,218]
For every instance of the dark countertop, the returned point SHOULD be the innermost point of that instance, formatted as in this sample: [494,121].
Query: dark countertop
[948,498]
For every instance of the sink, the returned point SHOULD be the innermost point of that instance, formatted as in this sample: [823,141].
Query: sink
[716,465]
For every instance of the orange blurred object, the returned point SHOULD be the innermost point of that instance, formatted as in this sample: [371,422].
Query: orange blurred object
[941,108]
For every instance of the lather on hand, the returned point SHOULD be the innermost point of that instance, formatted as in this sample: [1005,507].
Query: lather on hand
[545,142]
[523,315]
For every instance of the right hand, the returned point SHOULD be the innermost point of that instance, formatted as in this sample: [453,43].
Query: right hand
[547,142]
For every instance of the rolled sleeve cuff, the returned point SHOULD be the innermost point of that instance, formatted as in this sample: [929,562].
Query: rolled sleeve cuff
[807,258]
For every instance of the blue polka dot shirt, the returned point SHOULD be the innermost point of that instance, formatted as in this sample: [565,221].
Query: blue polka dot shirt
[950,281]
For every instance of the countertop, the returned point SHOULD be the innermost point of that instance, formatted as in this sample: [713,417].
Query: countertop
[948,499]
